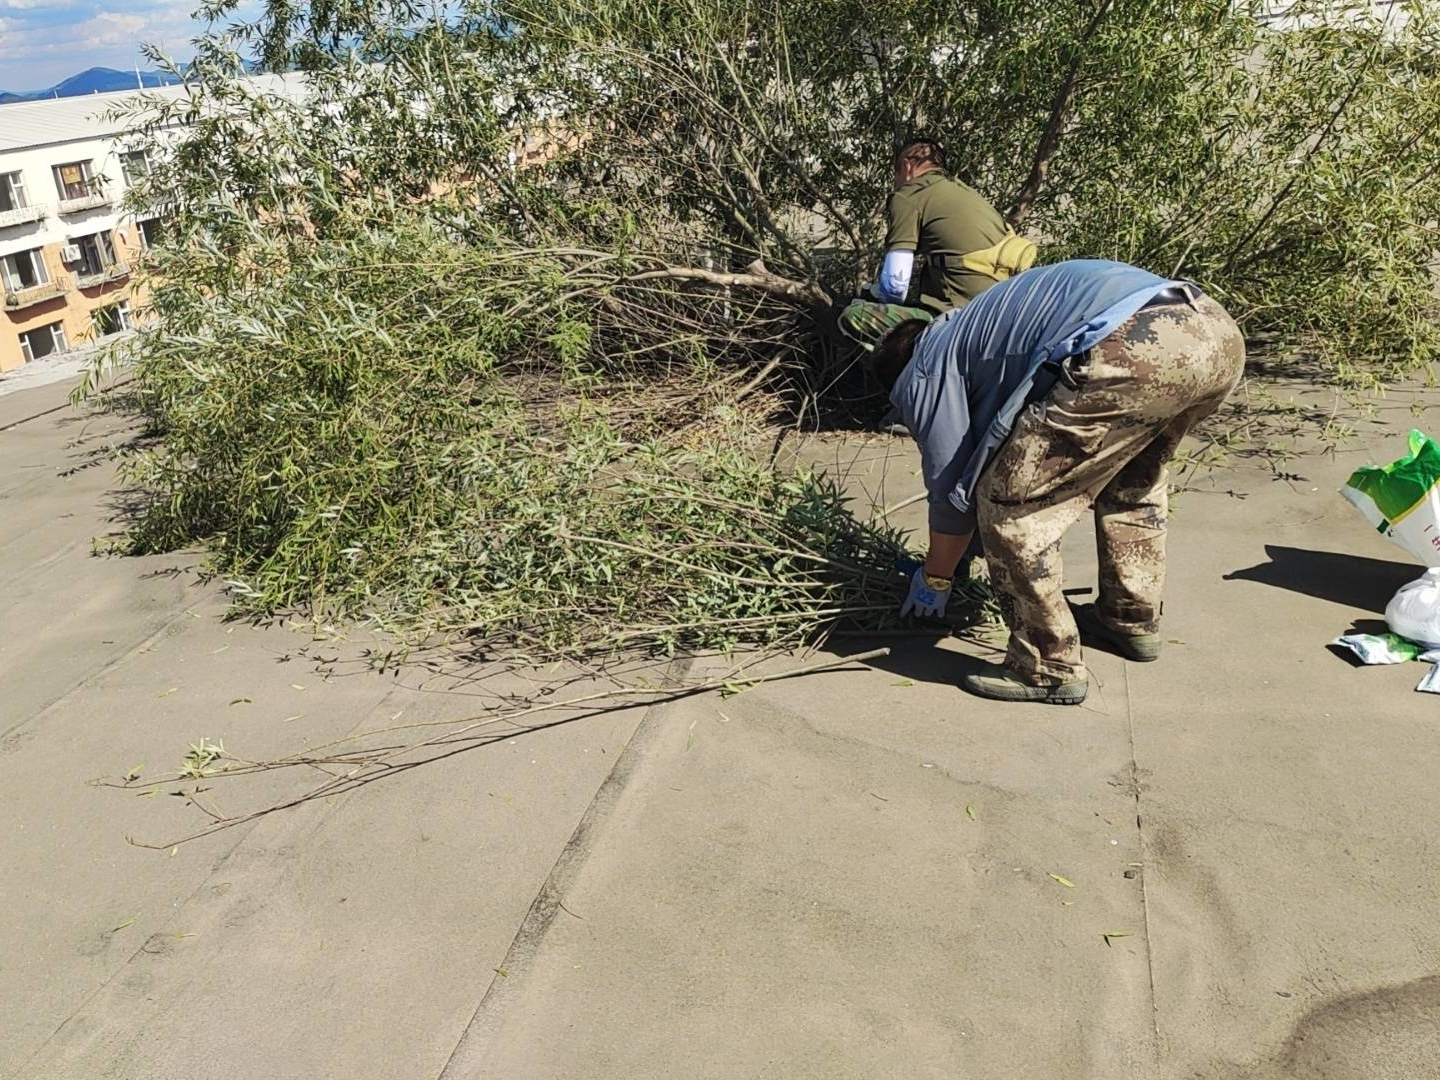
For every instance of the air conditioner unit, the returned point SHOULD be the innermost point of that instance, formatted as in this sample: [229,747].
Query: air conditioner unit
[70,253]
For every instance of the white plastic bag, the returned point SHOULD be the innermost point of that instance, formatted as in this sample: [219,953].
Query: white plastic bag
[1414,611]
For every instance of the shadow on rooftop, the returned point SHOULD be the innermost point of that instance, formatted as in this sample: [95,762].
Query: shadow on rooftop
[1354,581]
[918,657]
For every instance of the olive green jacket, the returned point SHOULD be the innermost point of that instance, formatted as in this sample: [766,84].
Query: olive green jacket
[934,215]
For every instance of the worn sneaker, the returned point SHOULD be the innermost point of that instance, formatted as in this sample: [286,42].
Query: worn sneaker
[1000,684]
[1142,648]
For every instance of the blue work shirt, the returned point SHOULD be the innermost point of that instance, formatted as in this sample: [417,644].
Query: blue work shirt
[973,369]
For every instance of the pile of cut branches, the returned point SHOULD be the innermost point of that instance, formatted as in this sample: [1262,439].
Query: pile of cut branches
[422,433]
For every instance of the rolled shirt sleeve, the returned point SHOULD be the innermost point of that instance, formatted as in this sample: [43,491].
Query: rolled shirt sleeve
[936,409]
[945,517]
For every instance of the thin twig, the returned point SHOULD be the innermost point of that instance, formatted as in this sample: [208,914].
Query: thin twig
[385,761]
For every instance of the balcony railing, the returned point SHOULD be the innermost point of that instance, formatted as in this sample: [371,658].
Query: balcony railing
[114,272]
[36,294]
[22,215]
[84,202]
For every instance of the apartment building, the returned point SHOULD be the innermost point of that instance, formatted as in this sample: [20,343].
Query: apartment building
[67,249]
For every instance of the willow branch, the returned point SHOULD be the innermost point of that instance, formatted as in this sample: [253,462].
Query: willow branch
[772,284]
[1049,144]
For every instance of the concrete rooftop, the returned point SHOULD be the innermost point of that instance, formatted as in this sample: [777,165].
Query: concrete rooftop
[849,875]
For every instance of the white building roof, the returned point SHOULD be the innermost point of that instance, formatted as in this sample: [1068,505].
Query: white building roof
[50,121]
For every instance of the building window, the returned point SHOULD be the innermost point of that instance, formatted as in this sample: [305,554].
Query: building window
[23,270]
[97,254]
[76,181]
[43,342]
[12,191]
[135,165]
[112,319]
[152,233]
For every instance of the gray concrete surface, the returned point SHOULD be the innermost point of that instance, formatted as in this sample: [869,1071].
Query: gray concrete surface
[349,938]
[852,874]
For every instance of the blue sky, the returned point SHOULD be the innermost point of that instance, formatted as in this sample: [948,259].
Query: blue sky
[44,41]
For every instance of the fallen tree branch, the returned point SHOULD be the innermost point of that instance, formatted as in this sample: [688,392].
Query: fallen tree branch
[760,377]
[381,762]
[1049,144]
[766,283]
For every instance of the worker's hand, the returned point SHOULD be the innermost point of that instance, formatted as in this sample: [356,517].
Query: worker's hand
[924,600]
[906,565]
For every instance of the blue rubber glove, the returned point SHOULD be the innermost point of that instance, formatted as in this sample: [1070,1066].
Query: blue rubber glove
[923,600]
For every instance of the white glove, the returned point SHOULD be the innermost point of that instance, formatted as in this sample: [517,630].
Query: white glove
[923,600]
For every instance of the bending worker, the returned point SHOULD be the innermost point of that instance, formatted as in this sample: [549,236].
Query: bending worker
[1068,386]
[944,242]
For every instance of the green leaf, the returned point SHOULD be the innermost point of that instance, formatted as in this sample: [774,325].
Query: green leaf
[970,812]
[1115,935]
[1063,881]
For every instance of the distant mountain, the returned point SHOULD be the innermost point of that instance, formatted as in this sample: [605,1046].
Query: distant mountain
[97,80]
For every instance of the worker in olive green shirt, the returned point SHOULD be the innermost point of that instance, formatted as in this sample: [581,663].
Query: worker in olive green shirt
[945,246]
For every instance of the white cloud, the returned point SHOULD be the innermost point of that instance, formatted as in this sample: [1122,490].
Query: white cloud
[108,29]
[44,41]
[35,5]
[92,41]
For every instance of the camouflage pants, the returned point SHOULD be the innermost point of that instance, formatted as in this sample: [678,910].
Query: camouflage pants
[1107,444]
[867,321]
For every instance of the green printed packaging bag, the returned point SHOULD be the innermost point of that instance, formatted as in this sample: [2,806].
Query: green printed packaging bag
[1402,499]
